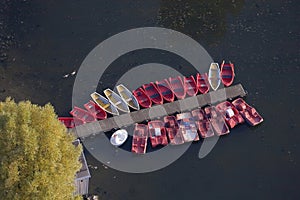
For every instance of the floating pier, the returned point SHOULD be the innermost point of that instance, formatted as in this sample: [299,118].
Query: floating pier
[159,111]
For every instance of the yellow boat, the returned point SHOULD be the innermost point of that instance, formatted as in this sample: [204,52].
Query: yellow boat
[104,103]
[128,97]
[116,100]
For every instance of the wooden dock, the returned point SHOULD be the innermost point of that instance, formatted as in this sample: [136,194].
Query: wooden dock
[158,111]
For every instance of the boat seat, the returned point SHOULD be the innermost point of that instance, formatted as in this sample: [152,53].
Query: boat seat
[189,88]
[128,99]
[189,81]
[154,96]
[226,76]
[139,93]
[178,90]
[253,111]
[229,113]
[106,106]
[241,106]
[157,131]
[214,114]
[247,115]
[143,100]
[226,67]
[118,103]
[167,92]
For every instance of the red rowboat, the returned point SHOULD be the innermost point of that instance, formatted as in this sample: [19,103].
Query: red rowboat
[96,110]
[202,83]
[139,140]
[152,92]
[204,126]
[70,122]
[142,98]
[164,89]
[172,128]
[190,86]
[187,127]
[227,73]
[82,114]
[230,114]
[177,87]
[249,113]
[216,120]
[157,133]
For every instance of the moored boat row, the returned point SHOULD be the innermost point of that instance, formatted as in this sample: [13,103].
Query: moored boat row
[181,87]
[165,90]
[191,126]
[101,106]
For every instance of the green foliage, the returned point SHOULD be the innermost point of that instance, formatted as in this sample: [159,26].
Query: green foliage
[37,157]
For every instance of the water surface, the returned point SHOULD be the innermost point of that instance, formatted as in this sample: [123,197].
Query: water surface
[51,39]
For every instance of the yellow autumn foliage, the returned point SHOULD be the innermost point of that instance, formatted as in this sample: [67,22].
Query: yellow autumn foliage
[37,157]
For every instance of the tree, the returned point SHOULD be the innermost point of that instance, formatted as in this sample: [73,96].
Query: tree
[37,157]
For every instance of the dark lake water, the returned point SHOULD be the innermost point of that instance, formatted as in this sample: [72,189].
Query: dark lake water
[42,41]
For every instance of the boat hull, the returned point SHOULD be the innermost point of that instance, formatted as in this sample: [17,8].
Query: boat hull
[104,103]
[96,110]
[177,87]
[128,97]
[142,98]
[164,89]
[187,127]
[119,137]
[227,73]
[249,113]
[203,124]
[139,140]
[202,83]
[230,114]
[82,115]
[116,100]
[157,133]
[152,92]
[172,128]
[70,122]
[214,76]
[190,86]
[218,123]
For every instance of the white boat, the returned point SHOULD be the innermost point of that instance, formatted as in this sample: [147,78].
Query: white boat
[214,76]
[119,137]
[104,103]
[116,100]
[128,97]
